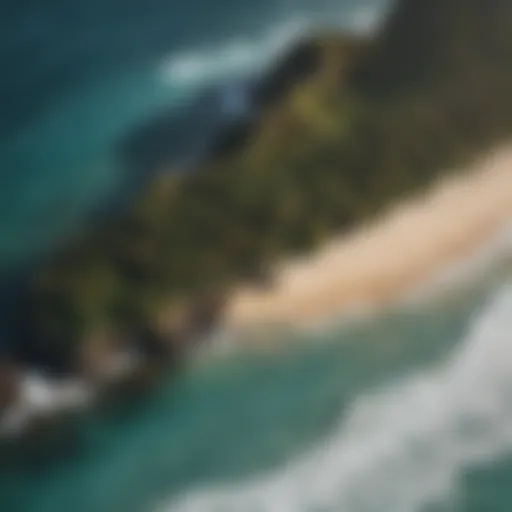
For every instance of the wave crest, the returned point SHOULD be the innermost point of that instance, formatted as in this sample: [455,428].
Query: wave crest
[247,56]
[402,448]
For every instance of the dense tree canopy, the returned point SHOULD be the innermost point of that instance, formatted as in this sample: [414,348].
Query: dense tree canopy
[367,123]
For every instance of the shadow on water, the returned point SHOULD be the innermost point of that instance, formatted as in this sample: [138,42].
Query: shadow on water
[179,137]
[218,120]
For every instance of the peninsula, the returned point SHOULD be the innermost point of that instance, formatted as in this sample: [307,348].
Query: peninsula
[345,130]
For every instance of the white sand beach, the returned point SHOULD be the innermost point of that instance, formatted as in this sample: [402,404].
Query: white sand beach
[405,248]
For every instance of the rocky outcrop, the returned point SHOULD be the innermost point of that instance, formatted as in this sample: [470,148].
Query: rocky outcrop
[9,384]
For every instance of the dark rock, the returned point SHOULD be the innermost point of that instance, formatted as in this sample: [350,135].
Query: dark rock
[9,384]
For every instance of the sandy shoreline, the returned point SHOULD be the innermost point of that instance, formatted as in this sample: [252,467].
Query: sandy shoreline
[385,260]
[461,218]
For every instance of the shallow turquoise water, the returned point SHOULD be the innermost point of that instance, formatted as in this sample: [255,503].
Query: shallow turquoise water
[228,419]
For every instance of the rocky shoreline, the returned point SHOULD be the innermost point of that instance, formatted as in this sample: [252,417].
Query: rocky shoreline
[106,370]
[343,130]
[122,364]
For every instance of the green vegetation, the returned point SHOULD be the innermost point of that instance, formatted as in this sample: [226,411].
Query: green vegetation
[373,121]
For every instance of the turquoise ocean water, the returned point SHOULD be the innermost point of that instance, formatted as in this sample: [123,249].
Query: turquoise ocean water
[408,410]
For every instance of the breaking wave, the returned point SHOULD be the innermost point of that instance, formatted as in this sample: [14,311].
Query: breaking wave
[402,448]
[242,57]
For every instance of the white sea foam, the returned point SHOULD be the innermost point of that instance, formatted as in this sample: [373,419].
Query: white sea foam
[403,447]
[43,397]
[247,56]
[234,58]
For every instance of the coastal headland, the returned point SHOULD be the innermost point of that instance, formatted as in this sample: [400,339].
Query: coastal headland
[364,156]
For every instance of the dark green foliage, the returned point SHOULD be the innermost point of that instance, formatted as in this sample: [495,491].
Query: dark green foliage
[366,126]
[432,43]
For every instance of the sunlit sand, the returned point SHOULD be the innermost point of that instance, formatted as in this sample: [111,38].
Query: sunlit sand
[378,263]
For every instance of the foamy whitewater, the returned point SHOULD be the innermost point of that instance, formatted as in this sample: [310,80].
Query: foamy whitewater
[244,56]
[403,447]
